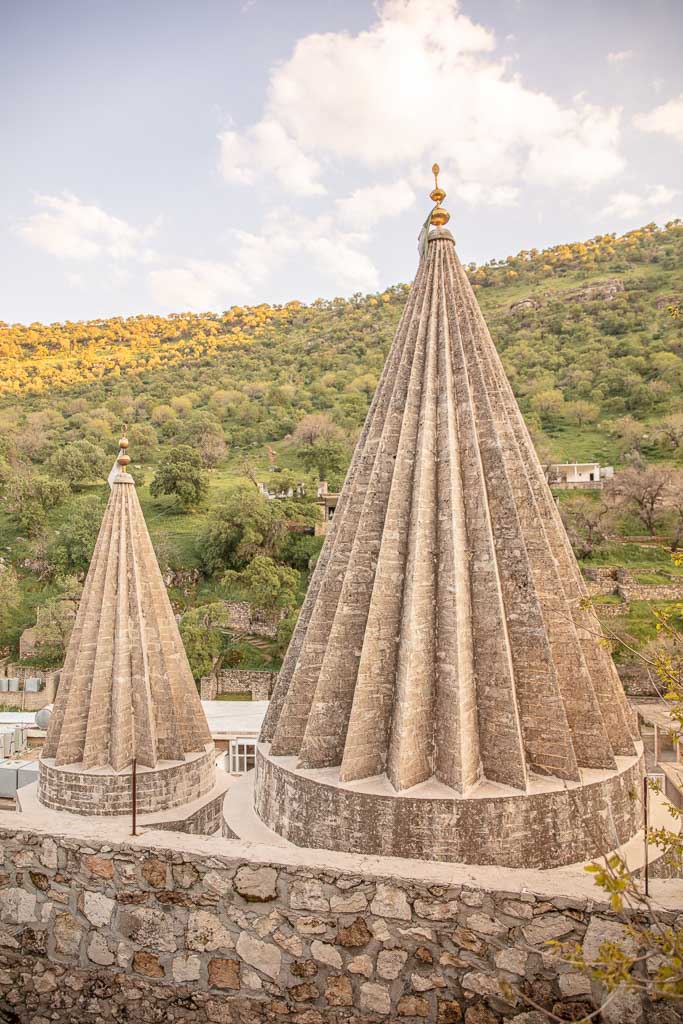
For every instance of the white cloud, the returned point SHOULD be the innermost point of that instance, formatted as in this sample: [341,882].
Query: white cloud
[630,205]
[422,83]
[70,229]
[664,120]
[367,206]
[477,194]
[620,56]
[199,285]
[338,254]
[268,145]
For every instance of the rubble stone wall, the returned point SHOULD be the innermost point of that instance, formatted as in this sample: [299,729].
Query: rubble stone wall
[258,684]
[102,932]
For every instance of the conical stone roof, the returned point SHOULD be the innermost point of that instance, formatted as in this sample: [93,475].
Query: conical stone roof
[126,691]
[445,649]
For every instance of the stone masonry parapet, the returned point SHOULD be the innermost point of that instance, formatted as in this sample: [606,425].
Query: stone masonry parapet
[182,928]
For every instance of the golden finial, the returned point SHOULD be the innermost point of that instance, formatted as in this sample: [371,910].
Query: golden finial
[439,216]
[123,459]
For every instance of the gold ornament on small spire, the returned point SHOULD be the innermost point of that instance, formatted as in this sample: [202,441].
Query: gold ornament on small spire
[439,216]
[124,458]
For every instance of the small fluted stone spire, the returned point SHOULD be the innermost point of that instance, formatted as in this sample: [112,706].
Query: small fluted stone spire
[126,690]
[445,641]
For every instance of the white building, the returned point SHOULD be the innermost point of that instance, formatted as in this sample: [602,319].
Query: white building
[579,474]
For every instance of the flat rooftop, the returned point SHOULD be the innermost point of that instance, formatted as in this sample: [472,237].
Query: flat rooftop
[226,718]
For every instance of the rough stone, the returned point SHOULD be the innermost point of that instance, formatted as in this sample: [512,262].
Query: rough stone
[547,927]
[154,872]
[413,1006]
[305,992]
[450,1012]
[149,928]
[205,931]
[350,903]
[304,968]
[483,924]
[572,985]
[390,963]
[480,1014]
[67,934]
[256,884]
[326,954]
[308,895]
[186,967]
[465,938]
[391,902]
[338,991]
[97,908]
[511,959]
[264,956]
[356,934]
[361,964]
[148,964]
[98,950]
[375,998]
[426,982]
[224,973]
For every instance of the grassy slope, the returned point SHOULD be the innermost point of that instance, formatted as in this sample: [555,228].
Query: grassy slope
[307,346]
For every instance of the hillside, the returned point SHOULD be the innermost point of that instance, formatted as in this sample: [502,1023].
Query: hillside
[585,331]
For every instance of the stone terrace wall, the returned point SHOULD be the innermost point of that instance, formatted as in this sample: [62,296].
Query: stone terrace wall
[95,932]
[28,701]
[258,684]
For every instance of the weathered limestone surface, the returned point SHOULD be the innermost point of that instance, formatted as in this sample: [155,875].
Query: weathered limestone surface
[444,642]
[126,690]
[99,932]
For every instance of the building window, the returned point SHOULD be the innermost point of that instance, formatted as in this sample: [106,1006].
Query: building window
[242,756]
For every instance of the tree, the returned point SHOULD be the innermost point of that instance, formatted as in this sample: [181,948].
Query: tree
[143,441]
[267,584]
[585,521]
[630,433]
[244,525]
[648,940]
[320,445]
[671,431]
[581,412]
[11,622]
[71,547]
[549,404]
[641,489]
[79,463]
[180,474]
[206,634]
[29,496]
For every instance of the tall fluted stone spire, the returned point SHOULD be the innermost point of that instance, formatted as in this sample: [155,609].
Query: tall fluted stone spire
[126,691]
[445,651]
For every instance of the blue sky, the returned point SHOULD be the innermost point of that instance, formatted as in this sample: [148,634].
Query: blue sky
[166,155]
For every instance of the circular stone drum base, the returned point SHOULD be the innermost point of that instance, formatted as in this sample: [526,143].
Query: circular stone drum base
[555,823]
[101,791]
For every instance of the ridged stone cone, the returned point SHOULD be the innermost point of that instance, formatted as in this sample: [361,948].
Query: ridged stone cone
[446,678]
[126,690]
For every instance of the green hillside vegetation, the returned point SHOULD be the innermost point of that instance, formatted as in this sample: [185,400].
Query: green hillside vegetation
[588,334]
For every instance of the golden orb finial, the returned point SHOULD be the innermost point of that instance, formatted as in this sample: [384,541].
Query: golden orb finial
[123,459]
[439,216]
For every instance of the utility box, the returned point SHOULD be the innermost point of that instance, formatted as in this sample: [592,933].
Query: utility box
[13,685]
[33,685]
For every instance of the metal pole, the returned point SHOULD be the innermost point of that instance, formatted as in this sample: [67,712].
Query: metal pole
[135,794]
[645,835]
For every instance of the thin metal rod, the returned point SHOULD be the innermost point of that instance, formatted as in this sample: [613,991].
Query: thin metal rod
[645,835]
[135,794]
